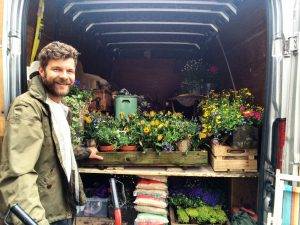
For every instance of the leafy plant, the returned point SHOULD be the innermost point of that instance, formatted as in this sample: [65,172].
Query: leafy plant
[78,101]
[129,132]
[203,215]
[107,131]
[222,113]
[162,131]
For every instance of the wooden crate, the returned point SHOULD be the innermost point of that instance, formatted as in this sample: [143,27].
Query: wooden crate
[149,158]
[225,150]
[226,158]
[173,219]
[94,221]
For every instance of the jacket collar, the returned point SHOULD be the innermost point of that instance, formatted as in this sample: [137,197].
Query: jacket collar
[37,89]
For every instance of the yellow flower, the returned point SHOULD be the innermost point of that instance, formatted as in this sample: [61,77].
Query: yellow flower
[126,129]
[87,119]
[146,114]
[160,126]
[189,136]
[122,115]
[206,114]
[202,135]
[146,130]
[160,137]
[142,122]
[156,122]
[152,123]
[152,113]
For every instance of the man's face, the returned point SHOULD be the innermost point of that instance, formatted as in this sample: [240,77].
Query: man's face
[58,76]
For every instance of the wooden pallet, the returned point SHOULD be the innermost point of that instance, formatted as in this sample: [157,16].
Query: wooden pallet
[226,158]
[149,158]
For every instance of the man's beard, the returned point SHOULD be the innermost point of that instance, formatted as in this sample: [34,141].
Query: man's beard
[50,86]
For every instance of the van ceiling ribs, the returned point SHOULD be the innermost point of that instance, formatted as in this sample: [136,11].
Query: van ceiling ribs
[175,23]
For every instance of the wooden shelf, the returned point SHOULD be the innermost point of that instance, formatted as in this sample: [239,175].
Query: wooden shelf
[203,171]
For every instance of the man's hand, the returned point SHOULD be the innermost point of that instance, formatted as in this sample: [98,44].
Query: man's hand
[93,153]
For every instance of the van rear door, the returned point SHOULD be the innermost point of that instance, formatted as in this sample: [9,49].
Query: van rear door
[281,141]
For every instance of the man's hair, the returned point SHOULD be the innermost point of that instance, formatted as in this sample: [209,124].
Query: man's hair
[57,50]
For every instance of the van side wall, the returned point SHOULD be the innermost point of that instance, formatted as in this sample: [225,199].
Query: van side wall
[245,43]
[2,116]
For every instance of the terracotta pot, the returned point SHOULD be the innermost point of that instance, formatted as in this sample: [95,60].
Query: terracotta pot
[106,148]
[128,148]
[184,145]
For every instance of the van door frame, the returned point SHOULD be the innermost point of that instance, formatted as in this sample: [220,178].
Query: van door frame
[279,97]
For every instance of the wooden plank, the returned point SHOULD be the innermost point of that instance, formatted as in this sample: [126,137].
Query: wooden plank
[203,171]
[2,116]
[176,158]
[94,221]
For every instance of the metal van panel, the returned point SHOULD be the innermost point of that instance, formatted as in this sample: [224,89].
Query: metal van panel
[176,21]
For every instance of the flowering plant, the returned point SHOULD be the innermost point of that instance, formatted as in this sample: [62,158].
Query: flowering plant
[222,113]
[106,130]
[162,130]
[78,101]
[128,130]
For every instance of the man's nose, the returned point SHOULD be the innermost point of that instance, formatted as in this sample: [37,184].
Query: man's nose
[64,74]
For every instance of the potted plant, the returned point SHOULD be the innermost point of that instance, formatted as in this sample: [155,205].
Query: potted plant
[128,132]
[78,101]
[162,131]
[106,134]
[223,113]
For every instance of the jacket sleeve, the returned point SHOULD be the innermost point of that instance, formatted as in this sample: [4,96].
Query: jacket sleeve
[81,153]
[21,148]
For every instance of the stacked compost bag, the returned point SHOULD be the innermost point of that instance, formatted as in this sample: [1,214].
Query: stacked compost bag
[151,200]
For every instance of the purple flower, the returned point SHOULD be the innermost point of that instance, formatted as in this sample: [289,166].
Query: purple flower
[211,199]
[167,147]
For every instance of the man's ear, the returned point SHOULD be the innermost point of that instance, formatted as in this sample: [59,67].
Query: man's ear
[42,71]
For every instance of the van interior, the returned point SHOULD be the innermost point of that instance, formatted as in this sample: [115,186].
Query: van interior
[144,45]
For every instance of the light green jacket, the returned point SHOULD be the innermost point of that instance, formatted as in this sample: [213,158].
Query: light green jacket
[31,171]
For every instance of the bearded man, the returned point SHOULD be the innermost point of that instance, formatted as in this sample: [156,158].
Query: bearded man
[38,169]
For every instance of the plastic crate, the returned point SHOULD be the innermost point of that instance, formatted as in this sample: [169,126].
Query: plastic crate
[95,207]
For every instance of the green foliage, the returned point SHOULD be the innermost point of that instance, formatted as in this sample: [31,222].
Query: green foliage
[107,131]
[222,113]
[182,216]
[129,132]
[77,100]
[203,215]
[160,129]
[185,202]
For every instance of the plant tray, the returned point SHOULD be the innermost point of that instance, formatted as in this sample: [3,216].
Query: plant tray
[150,158]
[173,219]
[226,158]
